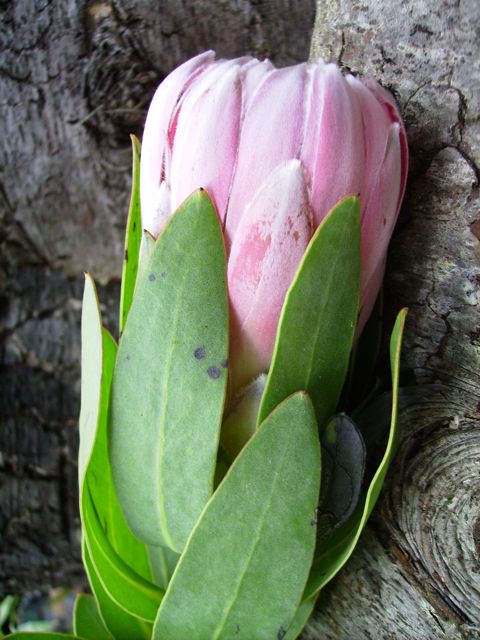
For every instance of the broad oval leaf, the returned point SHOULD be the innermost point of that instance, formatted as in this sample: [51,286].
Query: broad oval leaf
[129,590]
[87,622]
[133,237]
[170,379]
[336,550]
[245,565]
[317,324]
[121,624]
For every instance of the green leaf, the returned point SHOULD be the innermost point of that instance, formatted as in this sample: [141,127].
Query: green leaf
[100,480]
[343,467]
[128,589]
[162,562]
[87,622]
[133,238]
[92,356]
[114,553]
[8,607]
[98,360]
[170,379]
[120,624]
[302,615]
[317,324]
[245,565]
[331,555]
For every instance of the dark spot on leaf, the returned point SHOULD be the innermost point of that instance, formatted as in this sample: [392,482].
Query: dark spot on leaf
[151,277]
[134,226]
[126,255]
[224,363]
[163,274]
[237,629]
[282,632]
[199,353]
[214,372]
[127,357]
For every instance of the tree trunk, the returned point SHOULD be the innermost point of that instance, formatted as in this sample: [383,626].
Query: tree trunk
[76,78]
[415,573]
[75,81]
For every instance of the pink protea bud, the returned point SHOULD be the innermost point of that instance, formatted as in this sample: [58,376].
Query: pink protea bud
[275,149]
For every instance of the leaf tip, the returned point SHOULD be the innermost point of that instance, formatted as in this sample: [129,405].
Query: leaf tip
[136,144]
[89,278]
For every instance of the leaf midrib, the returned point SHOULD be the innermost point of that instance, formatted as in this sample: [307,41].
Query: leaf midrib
[326,295]
[219,629]
[163,413]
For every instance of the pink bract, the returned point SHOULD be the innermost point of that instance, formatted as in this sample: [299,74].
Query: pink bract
[275,149]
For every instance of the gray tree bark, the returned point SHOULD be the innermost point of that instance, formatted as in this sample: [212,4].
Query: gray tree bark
[76,77]
[416,573]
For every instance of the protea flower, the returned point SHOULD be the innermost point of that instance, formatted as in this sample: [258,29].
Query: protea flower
[275,149]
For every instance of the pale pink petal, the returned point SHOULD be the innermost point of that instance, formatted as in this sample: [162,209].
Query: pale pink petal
[376,127]
[156,127]
[269,243]
[380,213]
[381,193]
[388,102]
[333,150]
[271,134]
[206,138]
[199,85]
[253,74]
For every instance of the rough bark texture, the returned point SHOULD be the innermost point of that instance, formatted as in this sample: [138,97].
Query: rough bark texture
[416,571]
[75,80]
